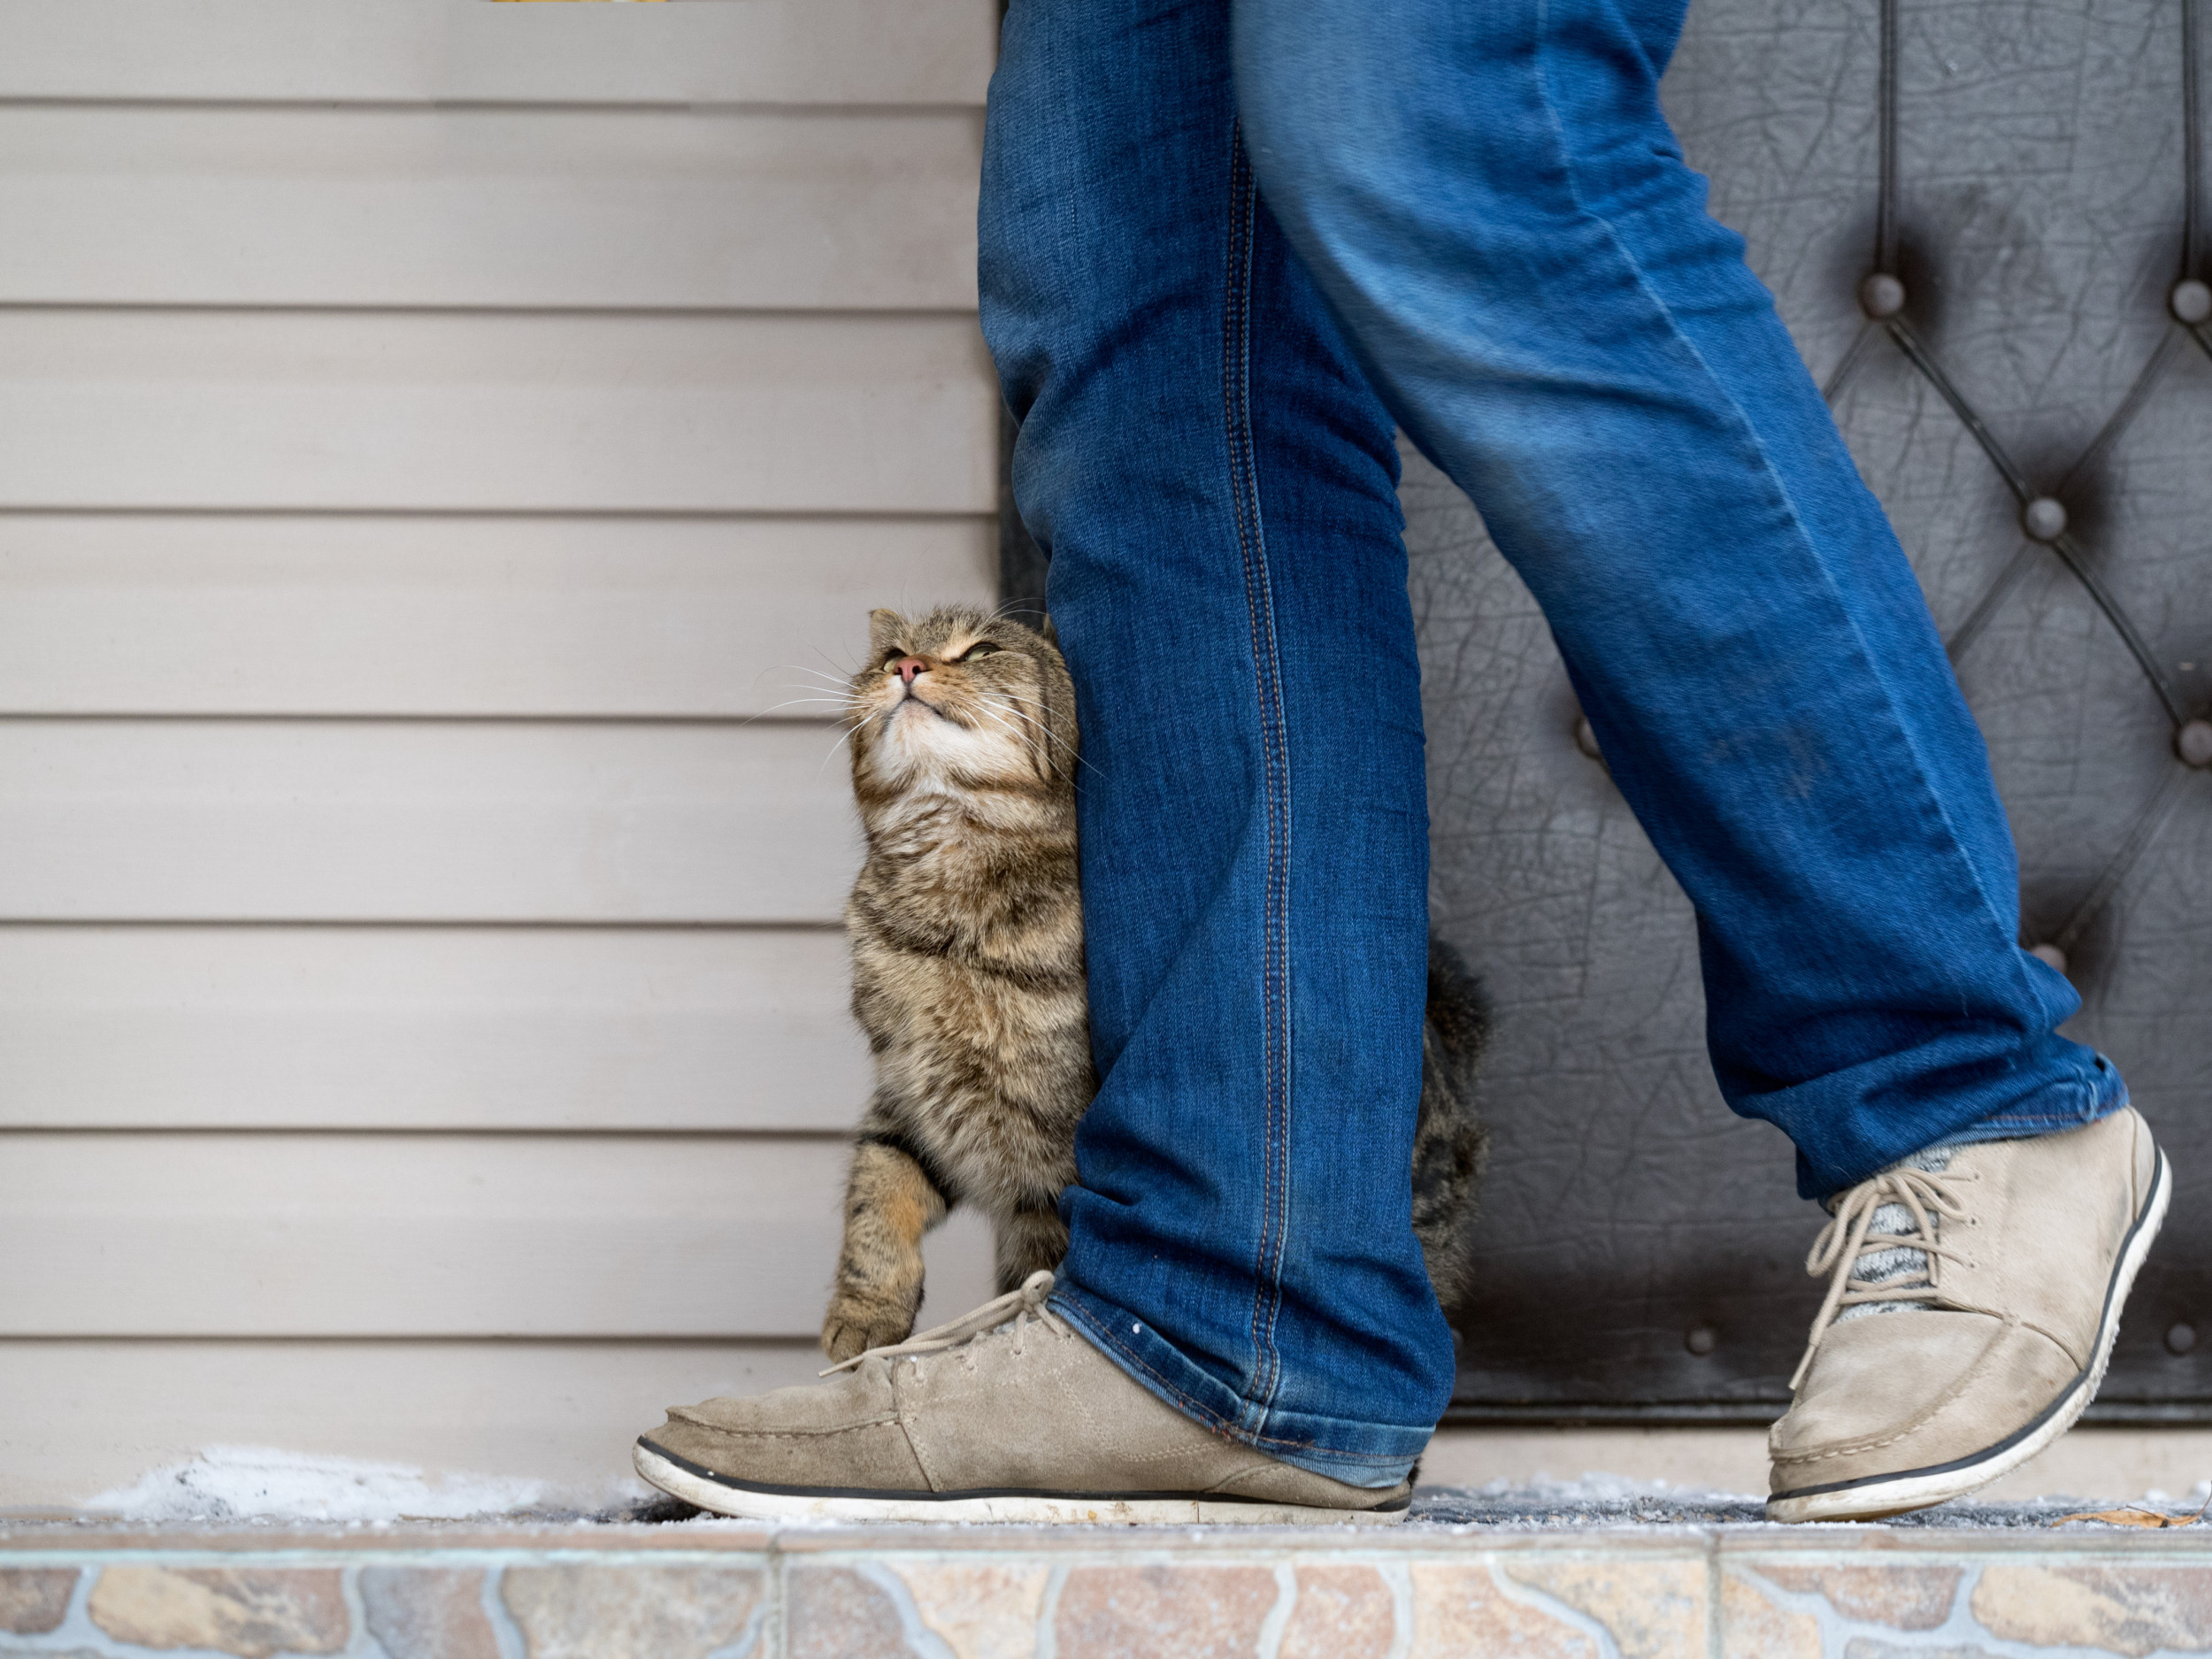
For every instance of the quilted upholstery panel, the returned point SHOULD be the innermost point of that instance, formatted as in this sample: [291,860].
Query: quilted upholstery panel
[2039,155]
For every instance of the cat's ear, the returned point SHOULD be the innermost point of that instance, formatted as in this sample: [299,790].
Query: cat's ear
[1051,634]
[884,629]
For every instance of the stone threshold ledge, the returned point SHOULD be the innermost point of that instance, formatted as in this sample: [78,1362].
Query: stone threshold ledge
[705,1589]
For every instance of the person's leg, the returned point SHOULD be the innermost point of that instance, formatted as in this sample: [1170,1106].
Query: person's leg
[1243,1328]
[1215,484]
[1496,207]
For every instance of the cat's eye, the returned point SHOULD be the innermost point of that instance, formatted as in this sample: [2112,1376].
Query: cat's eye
[981,647]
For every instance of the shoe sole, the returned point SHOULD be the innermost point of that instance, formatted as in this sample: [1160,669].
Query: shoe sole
[1878,1497]
[694,1485]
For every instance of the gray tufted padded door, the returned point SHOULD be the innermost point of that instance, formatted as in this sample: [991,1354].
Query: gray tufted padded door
[1982,221]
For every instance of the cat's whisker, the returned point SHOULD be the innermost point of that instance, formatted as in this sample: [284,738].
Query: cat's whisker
[837,690]
[801,668]
[836,708]
[1020,713]
[1005,708]
[843,738]
[843,673]
[839,704]
[1043,730]
[1049,735]
[1013,730]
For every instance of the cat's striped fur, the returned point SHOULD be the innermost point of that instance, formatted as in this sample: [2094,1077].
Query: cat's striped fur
[966,927]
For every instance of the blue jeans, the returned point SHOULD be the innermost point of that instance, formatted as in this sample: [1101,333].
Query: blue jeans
[1226,246]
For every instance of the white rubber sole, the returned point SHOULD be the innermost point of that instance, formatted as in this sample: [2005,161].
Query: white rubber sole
[750,1504]
[1875,1499]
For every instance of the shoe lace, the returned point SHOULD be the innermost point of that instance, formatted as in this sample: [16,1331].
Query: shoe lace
[1020,1306]
[1928,1197]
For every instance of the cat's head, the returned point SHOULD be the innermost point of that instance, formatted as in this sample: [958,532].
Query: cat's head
[960,698]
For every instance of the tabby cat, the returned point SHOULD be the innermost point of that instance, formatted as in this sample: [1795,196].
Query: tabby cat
[967,947]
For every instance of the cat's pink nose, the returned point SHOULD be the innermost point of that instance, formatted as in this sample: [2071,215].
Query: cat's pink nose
[907,667]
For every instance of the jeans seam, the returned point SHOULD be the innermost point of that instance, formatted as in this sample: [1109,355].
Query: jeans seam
[1274,761]
[1765,465]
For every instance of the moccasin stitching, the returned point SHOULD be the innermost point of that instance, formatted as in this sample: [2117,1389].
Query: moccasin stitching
[1258,1466]
[1077,1401]
[906,1420]
[2061,1343]
[1206,1418]
[1355,1497]
[1079,1405]
[683,1415]
[1850,1448]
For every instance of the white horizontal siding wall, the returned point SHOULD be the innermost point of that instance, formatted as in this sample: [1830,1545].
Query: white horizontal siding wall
[443,448]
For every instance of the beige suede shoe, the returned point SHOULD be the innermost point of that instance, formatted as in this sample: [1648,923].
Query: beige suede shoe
[1975,1299]
[1006,1415]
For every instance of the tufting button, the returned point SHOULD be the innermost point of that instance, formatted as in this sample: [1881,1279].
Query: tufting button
[2180,1339]
[2192,300]
[1881,296]
[2051,954]
[2044,519]
[2194,743]
[1587,739]
[1700,1341]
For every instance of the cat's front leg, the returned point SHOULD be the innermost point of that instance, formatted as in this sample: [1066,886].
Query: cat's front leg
[1031,1237]
[890,1202]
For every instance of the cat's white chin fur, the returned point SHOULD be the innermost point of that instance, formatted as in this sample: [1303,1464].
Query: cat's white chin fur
[917,740]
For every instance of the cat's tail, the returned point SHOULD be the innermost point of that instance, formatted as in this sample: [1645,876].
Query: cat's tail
[1451,1144]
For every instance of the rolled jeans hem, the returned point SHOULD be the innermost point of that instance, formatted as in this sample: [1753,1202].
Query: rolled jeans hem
[2075,1106]
[1371,1454]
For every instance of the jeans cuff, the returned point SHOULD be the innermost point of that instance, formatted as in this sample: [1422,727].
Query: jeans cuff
[1371,1454]
[2078,1104]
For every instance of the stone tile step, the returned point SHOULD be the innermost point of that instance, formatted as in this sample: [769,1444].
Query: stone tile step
[1531,1576]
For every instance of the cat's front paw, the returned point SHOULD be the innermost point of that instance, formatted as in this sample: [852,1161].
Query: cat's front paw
[854,1326]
